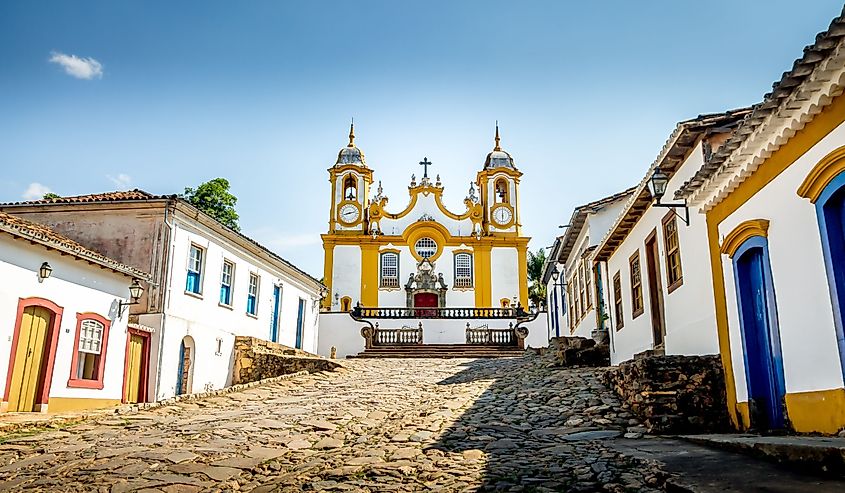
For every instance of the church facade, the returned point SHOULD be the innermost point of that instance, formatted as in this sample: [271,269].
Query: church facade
[420,254]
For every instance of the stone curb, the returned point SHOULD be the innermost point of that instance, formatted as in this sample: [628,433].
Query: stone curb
[128,409]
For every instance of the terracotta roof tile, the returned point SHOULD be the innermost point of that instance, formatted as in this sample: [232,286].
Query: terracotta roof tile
[116,196]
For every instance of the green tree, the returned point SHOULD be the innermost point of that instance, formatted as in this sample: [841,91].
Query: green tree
[51,195]
[536,288]
[213,198]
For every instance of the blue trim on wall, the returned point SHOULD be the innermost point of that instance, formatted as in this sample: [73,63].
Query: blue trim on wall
[830,211]
[766,366]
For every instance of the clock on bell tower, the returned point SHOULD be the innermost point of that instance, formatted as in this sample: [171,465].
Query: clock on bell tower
[351,180]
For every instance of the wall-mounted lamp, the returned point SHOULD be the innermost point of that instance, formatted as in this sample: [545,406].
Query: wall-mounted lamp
[44,271]
[336,299]
[657,186]
[135,292]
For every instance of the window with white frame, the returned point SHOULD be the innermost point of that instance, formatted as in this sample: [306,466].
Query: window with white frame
[227,276]
[194,281]
[90,347]
[389,270]
[463,270]
[425,247]
[252,294]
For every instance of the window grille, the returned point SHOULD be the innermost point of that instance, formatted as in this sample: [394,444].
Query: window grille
[463,270]
[389,270]
[425,247]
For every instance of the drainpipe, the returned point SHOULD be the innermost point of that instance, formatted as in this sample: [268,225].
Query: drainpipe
[167,283]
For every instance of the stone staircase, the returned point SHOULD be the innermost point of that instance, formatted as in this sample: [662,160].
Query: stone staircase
[440,351]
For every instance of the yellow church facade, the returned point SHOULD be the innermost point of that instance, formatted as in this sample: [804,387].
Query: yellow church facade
[420,254]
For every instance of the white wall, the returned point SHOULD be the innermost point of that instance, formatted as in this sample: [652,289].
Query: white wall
[205,320]
[689,310]
[77,287]
[805,314]
[504,268]
[346,273]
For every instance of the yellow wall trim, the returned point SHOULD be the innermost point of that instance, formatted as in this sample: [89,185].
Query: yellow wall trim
[522,259]
[744,231]
[68,404]
[822,174]
[821,411]
[483,270]
[369,275]
[815,130]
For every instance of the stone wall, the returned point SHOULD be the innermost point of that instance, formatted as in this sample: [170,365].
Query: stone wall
[257,359]
[673,394]
[578,351]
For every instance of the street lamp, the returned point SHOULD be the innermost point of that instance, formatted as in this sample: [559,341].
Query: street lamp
[44,271]
[657,187]
[135,292]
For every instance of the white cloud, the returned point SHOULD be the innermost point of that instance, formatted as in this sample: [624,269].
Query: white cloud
[35,191]
[81,68]
[121,181]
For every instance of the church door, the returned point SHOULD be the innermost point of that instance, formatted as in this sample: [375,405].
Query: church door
[425,300]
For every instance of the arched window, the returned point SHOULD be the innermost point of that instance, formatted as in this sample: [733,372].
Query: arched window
[89,356]
[425,247]
[389,270]
[350,188]
[463,270]
[502,193]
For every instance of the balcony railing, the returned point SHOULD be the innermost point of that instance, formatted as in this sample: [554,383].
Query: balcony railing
[485,336]
[360,312]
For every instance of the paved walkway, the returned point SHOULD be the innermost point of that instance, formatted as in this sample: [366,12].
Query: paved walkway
[380,425]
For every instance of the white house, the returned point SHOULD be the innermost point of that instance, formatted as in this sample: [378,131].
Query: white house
[209,284]
[576,292]
[774,201]
[659,289]
[63,322]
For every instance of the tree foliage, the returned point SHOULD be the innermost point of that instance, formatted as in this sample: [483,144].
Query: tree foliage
[51,195]
[213,198]
[536,288]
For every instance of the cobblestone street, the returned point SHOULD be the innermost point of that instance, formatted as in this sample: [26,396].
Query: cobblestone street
[379,425]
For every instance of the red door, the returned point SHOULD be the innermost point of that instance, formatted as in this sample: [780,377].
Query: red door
[425,300]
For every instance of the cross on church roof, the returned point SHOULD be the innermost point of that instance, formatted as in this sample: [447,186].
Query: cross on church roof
[425,163]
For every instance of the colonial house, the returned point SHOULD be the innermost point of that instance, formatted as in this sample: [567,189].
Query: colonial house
[64,340]
[774,200]
[577,292]
[422,260]
[660,293]
[208,284]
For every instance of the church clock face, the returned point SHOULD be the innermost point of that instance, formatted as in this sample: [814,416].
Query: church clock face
[502,215]
[349,214]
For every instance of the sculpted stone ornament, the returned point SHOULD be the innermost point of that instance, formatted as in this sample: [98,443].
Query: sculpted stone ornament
[426,281]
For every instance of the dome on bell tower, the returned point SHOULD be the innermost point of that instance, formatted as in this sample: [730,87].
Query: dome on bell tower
[498,158]
[351,154]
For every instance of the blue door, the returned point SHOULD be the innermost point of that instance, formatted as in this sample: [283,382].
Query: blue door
[830,209]
[300,320]
[760,338]
[274,319]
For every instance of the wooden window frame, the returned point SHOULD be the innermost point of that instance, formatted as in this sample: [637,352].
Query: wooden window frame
[200,272]
[253,275]
[588,283]
[231,284]
[637,301]
[668,219]
[618,308]
[381,278]
[463,281]
[83,383]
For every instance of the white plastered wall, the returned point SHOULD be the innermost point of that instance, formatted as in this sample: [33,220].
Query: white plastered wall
[77,287]
[504,274]
[805,314]
[346,273]
[205,320]
[689,310]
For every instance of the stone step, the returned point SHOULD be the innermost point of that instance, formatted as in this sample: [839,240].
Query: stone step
[824,455]
[439,351]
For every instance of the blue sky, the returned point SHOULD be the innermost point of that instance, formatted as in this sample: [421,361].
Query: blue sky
[261,93]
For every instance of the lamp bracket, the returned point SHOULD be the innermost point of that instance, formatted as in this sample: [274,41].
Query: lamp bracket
[675,207]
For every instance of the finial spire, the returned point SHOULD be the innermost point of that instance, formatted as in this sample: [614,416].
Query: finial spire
[497,148]
[352,134]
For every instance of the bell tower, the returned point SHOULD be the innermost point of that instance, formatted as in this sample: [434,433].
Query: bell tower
[499,184]
[351,179]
